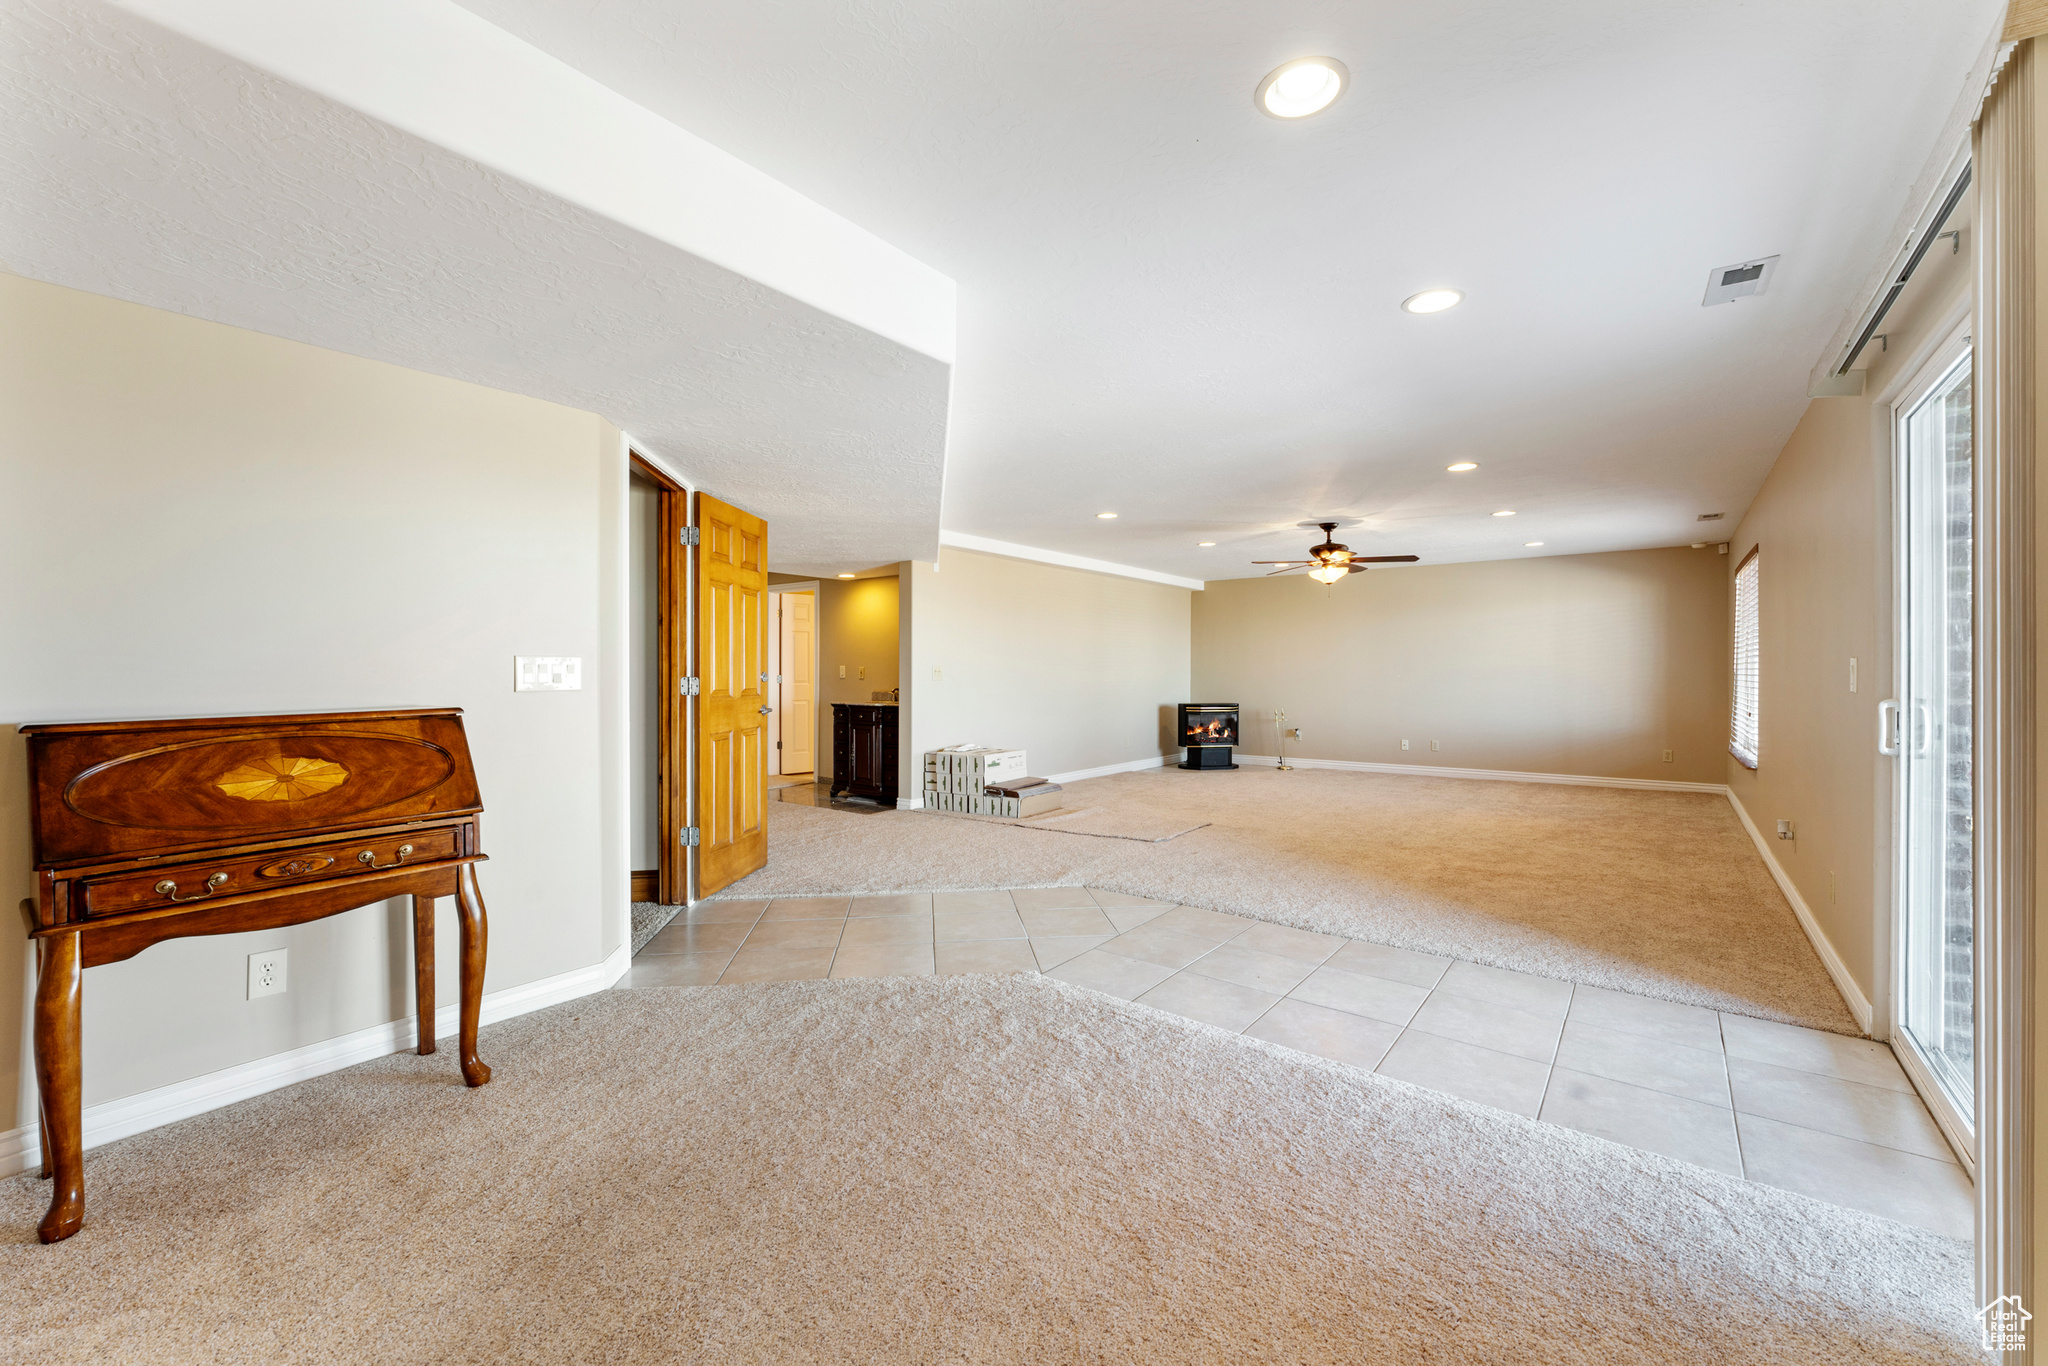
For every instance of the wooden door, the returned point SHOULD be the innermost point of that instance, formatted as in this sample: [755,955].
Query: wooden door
[732,711]
[799,683]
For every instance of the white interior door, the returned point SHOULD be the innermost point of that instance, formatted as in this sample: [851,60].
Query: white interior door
[799,682]
[1931,732]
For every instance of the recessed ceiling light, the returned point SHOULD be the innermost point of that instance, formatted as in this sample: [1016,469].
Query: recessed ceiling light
[1504,513]
[1433,300]
[846,576]
[1107,516]
[1304,86]
[1462,466]
[1532,544]
[1205,542]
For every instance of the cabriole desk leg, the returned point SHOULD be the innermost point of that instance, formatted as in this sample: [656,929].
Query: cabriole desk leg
[470,902]
[423,968]
[58,986]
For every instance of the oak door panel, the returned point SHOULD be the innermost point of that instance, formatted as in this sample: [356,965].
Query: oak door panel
[732,651]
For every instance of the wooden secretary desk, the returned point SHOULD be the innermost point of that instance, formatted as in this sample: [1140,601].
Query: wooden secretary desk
[149,830]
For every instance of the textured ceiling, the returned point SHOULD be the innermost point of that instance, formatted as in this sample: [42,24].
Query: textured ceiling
[1178,309]
[143,166]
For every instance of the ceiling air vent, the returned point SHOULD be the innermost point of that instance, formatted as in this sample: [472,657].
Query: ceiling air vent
[1710,517]
[1726,283]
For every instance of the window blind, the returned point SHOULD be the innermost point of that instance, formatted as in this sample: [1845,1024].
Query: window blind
[1742,732]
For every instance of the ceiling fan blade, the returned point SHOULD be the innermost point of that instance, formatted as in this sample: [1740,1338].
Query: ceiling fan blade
[1384,559]
[1283,561]
[1289,570]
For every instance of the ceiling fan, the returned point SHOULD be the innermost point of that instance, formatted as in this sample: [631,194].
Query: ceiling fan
[1330,561]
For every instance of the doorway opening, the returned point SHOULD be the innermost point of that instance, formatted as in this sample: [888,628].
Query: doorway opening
[827,720]
[793,674]
[658,725]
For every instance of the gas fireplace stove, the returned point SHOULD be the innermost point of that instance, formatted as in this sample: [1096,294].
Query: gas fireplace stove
[1208,730]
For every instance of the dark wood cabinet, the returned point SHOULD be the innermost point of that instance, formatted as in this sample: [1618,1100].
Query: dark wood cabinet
[864,750]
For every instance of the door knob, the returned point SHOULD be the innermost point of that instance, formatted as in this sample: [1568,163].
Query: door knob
[764,710]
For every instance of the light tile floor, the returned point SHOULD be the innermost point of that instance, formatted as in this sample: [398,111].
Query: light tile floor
[1824,1115]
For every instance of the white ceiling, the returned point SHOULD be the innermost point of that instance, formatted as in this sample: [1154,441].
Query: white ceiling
[1178,309]
[145,166]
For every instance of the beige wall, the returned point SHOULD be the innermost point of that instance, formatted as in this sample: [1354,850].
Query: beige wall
[1580,664]
[857,629]
[1823,522]
[1071,666]
[196,519]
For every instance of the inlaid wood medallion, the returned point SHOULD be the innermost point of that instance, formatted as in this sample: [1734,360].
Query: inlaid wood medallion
[296,867]
[281,779]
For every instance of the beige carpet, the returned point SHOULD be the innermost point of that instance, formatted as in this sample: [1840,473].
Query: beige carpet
[1112,823]
[1658,893]
[649,919]
[998,1170]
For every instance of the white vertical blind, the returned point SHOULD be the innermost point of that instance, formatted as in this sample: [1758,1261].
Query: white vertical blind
[1742,717]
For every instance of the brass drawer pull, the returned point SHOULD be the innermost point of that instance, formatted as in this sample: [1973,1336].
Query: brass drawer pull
[170,889]
[369,859]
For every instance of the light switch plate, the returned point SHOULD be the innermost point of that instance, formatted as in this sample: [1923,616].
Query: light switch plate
[548,673]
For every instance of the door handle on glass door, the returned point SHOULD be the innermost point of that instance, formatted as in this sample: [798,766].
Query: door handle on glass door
[1923,729]
[1888,728]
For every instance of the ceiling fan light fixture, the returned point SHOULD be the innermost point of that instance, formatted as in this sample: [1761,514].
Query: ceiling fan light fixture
[1433,300]
[1329,573]
[1304,86]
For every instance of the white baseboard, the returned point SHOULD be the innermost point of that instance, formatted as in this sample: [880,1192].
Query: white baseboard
[910,803]
[1852,995]
[1498,775]
[1128,766]
[21,1149]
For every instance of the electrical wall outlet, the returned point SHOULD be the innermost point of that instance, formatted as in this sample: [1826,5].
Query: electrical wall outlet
[1436,744]
[938,674]
[1667,756]
[547,673]
[842,671]
[266,973]
[1785,830]
[1404,744]
[863,671]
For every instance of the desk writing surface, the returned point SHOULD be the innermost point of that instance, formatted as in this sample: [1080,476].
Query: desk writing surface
[135,789]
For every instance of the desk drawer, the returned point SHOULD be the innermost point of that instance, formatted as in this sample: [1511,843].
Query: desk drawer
[191,882]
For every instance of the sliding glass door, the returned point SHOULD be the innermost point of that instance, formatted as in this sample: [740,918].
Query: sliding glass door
[1930,732]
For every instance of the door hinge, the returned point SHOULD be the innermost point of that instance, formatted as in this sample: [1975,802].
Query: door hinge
[690,685]
[690,837]
[692,536]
